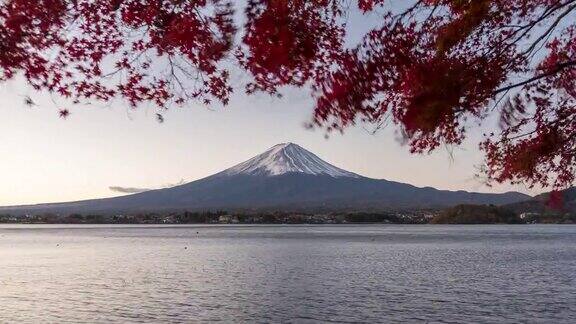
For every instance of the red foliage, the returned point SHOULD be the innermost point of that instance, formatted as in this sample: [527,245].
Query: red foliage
[428,69]
[140,50]
[285,40]
[64,113]
[556,200]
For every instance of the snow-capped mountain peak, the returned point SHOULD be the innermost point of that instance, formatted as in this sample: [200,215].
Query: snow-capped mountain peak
[288,158]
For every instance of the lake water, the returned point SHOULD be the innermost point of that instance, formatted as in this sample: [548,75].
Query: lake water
[337,273]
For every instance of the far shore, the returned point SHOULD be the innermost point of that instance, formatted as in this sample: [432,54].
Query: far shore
[462,214]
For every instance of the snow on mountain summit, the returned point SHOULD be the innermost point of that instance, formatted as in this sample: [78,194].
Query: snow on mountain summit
[288,158]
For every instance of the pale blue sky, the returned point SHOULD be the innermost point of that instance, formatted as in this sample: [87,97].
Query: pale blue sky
[47,159]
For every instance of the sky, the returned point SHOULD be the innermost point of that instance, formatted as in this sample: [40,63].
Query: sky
[49,159]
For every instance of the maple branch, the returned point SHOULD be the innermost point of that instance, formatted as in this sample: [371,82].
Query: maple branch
[550,29]
[527,28]
[558,68]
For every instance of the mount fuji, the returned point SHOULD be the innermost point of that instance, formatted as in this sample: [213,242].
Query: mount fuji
[285,177]
[287,158]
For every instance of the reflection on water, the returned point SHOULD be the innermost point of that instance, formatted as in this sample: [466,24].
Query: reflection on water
[287,273]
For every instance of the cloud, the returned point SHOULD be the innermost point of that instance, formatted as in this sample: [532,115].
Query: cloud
[128,189]
[170,185]
[131,190]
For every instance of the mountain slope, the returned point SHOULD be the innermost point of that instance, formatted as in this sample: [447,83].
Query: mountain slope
[284,177]
[566,202]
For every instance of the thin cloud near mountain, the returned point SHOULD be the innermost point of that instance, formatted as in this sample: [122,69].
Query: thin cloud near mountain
[132,190]
[127,189]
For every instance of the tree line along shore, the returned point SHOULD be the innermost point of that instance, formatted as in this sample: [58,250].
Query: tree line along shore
[461,214]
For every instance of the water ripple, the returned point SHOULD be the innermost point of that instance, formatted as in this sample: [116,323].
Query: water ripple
[340,274]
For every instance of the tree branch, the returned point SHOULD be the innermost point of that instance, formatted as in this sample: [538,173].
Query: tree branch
[558,68]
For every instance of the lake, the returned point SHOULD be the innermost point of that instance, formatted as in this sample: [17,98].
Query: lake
[290,273]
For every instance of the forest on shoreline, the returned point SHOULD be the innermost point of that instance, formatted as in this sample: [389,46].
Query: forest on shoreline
[461,214]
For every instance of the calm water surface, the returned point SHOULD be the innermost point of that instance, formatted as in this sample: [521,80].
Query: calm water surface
[183,274]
